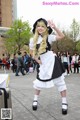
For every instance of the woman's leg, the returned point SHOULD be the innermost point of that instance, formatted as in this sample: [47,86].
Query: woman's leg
[62,89]
[64,102]
[37,92]
[35,101]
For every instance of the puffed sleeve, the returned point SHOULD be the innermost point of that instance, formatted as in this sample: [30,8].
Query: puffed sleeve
[31,44]
[51,38]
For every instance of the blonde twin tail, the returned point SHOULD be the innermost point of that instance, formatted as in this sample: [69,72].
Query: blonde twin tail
[35,39]
[43,44]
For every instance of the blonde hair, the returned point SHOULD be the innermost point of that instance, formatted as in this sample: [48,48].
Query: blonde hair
[43,44]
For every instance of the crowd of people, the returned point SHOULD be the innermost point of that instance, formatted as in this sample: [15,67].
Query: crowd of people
[71,62]
[22,63]
[5,62]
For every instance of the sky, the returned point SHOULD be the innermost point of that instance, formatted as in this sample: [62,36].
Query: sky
[62,12]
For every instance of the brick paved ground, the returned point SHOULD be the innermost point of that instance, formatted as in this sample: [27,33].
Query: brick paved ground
[49,101]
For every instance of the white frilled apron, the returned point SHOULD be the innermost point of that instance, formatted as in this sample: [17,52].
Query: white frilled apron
[51,68]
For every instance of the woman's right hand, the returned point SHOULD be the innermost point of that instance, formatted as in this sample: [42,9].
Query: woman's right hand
[51,24]
[37,60]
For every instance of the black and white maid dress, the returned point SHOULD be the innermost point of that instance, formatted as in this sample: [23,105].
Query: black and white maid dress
[51,70]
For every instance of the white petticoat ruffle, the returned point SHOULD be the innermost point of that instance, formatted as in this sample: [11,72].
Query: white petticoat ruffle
[40,85]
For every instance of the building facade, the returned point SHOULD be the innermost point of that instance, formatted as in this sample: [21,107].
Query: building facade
[8,13]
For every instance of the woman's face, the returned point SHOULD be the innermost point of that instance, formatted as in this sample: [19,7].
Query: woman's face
[41,27]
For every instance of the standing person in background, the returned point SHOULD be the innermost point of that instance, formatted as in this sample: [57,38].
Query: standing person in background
[20,64]
[0,63]
[69,57]
[79,60]
[14,63]
[26,58]
[66,62]
[4,62]
[50,71]
[76,63]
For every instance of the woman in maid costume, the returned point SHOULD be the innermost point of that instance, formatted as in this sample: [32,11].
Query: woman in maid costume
[50,71]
